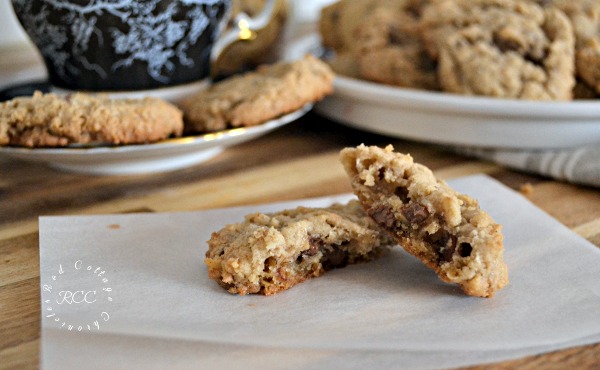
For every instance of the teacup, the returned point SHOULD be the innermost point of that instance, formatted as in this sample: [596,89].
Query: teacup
[117,45]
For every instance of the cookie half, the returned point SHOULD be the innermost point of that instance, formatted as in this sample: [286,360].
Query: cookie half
[268,253]
[49,120]
[446,230]
[256,97]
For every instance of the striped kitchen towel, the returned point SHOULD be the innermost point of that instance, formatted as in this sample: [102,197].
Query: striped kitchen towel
[577,165]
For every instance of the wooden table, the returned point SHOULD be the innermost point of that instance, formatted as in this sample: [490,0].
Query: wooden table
[296,161]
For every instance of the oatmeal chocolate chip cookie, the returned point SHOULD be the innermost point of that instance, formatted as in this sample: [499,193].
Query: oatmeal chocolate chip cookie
[444,229]
[329,27]
[585,19]
[504,48]
[587,62]
[344,63]
[443,17]
[390,49]
[269,253]
[49,120]
[339,21]
[256,97]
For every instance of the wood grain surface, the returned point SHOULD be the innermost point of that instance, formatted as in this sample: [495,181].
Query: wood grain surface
[297,161]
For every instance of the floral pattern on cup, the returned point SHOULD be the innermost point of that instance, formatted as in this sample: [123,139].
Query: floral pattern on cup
[123,44]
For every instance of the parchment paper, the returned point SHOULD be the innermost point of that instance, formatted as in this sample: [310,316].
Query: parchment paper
[390,311]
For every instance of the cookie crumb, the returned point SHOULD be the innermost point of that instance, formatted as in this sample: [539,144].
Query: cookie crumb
[526,189]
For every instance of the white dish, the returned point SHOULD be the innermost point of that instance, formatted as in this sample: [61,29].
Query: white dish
[167,155]
[454,119]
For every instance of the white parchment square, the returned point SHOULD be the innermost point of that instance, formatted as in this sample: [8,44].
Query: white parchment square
[393,307]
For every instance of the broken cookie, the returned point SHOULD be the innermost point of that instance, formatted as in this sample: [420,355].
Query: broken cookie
[446,230]
[268,253]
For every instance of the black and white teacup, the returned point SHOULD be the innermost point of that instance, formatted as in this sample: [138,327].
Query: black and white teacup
[124,45]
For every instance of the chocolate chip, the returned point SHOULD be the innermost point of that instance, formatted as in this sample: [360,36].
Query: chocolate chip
[507,44]
[448,251]
[334,258]
[414,9]
[402,193]
[415,213]
[383,216]
[427,64]
[269,262]
[442,236]
[335,15]
[443,243]
[397,37]
[439,238]
[465,249]
[315,245]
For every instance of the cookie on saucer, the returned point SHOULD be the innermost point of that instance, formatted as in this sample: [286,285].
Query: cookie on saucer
[256,97]
[50,120]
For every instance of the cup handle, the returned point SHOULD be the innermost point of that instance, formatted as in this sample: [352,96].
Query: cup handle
[245,28]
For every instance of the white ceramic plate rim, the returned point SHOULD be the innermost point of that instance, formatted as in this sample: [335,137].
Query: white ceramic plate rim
[204,140]
[441,101]
[452,119]
[166,155]
[437,101]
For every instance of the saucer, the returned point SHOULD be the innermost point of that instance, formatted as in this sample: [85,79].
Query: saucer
[162,156]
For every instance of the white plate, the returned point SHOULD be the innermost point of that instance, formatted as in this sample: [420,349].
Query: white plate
[167,155]
[455,119]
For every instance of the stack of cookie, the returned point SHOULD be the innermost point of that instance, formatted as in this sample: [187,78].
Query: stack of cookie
[50,120]
[520,49]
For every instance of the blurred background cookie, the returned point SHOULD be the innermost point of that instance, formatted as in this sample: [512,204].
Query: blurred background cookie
[49,120]
[339,21]
[389,49]
[501,48]
[379,40]
[585,19]
[256,97]
[344,63]
[328,25]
